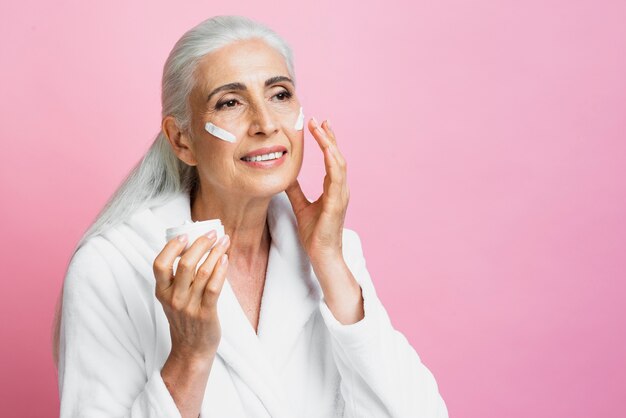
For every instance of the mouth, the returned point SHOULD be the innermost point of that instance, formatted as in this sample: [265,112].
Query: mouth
[265,157]
[270,156]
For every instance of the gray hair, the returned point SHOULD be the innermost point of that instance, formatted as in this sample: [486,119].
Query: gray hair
[160,174]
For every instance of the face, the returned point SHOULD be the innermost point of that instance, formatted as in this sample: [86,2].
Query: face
[260,112]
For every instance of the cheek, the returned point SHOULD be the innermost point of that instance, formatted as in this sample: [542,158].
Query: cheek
[293,121]
[226,130]
[293,126]
[226,124]
[297,147]
[214,160]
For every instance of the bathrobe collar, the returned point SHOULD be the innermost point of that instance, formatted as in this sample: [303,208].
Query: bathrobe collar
[290,296]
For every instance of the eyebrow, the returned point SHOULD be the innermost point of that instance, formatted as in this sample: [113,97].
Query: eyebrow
[241,86]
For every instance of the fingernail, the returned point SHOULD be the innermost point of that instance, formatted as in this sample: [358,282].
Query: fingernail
[211,234]
[182,238]
[224,259]
[328,123]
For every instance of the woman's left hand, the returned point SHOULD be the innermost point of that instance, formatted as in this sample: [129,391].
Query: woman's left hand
[320,223]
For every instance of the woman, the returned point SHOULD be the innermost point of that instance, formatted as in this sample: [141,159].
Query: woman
[297,329]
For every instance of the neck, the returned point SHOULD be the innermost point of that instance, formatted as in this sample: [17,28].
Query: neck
[244,220]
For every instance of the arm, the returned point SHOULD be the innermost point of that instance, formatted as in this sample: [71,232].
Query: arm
[186,381]
[382,375]
[101,365]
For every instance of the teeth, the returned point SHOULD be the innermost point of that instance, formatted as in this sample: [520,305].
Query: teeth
[265,157]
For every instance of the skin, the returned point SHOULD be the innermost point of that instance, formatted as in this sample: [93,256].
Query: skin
[240,195]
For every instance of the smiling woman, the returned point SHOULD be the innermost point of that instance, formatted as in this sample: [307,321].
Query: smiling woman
[279,317]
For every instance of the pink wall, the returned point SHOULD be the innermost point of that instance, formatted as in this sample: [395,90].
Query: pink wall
[486,149]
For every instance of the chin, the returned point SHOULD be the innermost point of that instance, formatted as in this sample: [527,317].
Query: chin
[267,183]
[269,187]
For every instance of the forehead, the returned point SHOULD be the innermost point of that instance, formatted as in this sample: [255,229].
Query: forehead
[248,61]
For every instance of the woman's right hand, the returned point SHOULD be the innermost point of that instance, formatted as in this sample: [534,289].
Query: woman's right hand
[189,298]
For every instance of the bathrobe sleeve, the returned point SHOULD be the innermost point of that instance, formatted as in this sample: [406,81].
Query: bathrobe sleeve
[382,375]
[101,365]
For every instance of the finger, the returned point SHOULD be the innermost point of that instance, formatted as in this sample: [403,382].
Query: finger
[319,134]
[207,269]
[338,155]
[188,264]
[325,137]
[329,131]
[331,135]
[214,287]
[335,175]
[296,196]
[337,190]
[324,142]
[164,261]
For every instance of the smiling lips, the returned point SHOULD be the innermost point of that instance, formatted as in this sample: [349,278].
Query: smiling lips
[266,157]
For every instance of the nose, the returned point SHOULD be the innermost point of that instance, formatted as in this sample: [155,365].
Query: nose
[262,121]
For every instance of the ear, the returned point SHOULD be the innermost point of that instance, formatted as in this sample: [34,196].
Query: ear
[179,140]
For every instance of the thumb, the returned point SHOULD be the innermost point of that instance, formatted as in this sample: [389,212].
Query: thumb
[296,196]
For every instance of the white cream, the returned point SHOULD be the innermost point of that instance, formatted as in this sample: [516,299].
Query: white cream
[300,121]
[219,132]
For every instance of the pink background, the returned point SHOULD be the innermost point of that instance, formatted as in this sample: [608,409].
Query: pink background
[486,154]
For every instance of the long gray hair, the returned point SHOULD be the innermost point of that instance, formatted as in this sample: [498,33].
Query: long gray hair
[159,174]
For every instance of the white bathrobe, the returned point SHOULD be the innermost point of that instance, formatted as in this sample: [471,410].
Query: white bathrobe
[115,336]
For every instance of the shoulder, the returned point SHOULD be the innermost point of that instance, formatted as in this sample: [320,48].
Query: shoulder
[87,260]
[89,271]
[93,307]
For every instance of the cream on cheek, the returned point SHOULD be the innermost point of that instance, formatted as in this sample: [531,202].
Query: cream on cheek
[224,135]
[220,133]
[300,121]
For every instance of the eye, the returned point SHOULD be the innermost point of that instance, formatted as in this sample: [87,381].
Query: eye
[283,96]
[227,103]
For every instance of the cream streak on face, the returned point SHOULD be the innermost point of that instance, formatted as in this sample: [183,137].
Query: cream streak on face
[224,135]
